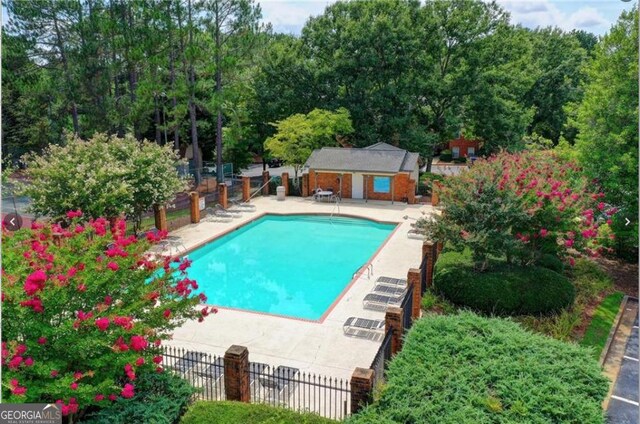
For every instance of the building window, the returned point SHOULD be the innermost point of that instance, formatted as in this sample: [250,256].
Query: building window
[455,152]
[381,184]
[471,151]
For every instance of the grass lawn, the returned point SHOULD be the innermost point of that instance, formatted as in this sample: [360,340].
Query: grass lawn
[236,412]
[600,326]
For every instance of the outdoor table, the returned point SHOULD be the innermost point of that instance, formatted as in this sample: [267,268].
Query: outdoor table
[324,194]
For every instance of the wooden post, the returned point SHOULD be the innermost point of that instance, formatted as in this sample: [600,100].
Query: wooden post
[236,374]
[160,215]
[265,180]
[305,185]
[246,189]
[361,388]
[222,195]
[435,198]
[285,183]
[414,279]
[195,207]
[393,319]
[428,250]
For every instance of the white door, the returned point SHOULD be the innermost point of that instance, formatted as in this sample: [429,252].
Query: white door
[357,186]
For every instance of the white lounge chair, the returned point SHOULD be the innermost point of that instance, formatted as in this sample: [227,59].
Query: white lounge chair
[214,215]
[362,327]
[281,384]
[388,290]
[230,211]
[243,205]
[379,302]
[390,281]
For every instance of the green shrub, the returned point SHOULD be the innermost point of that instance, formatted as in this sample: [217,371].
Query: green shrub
[505,289]
[460,160]
[160,398]
[236,412]
[551,262]
[446,156]
[468,369]
[426,182]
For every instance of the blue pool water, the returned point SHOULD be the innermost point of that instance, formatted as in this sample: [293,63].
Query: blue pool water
[293,265]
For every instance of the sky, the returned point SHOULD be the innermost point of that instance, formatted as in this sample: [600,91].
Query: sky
[595,16]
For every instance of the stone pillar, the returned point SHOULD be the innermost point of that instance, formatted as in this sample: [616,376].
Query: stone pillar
[361,388]
[393,319]
[236,374]
[411,193]
[246,189]
[305,185]
[435,198]
[222,195]
[265,180]
[428,250]
[195,207]
[414,279]
[285,183]
[160,215]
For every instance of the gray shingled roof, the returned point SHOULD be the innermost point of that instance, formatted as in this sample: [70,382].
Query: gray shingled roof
[380,157]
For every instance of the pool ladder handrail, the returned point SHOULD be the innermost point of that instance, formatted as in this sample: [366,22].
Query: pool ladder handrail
[369,268]
[336,205]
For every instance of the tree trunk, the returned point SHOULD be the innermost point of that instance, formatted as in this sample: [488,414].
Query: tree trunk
[219,165]
[65,65]
[192,108]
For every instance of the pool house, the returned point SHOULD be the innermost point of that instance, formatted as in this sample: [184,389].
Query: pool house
[377,172]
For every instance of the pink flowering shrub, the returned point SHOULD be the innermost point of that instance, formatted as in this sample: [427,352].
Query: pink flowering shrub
[85,312]
[519,206]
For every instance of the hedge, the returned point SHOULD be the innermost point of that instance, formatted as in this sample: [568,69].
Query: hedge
[469,369]
[160,398]
[505,289]
[236,412]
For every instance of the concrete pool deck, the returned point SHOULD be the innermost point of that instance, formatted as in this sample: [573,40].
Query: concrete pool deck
[318,347]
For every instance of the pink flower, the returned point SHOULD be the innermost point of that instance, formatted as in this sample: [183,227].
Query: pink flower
[609,222]
[102,323]
[124,322]
[72,272]
[15,362]
[113,397]
[81,288]
[79,229]
[601,206]
[54,373]
[35,282]
[74,214]
[157,359]
[20,349]
[19,390]
[572,261]
[157,342]
[73,386]
[543,232]
[77,375]
[140,361]
[167,313]
[113,266]
[138,343]
[568,243]
[42,340]
[127,391]
[28,362]
[99,397]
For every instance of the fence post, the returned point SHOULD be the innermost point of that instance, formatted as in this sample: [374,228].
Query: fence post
[393,319]
[435,198]
[236,374]
[428,250]
[305,185]
[361,388]
[246,189]
[160,215]
[285,183]
[414,279]
[265,180]
[195,207]
[411,193]
[222,195]
[439,245]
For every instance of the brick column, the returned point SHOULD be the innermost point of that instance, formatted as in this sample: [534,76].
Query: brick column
[393,319]
[428,250]
[285,183]
[361,388]
[435,199]
[246,189]
[160,215]
[439,246]
[265,180]
[414,279]
[305,185]
[411,193]
[236,374]
[222,195]
[195,207]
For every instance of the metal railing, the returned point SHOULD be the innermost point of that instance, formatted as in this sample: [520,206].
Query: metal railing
[380,361]
[280,386]
[407,306]
[423,273]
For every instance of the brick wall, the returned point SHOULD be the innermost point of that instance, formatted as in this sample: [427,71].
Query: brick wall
[463,144]
[401,188]
[330,181]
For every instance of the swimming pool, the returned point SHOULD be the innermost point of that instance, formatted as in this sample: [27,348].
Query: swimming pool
[293,265]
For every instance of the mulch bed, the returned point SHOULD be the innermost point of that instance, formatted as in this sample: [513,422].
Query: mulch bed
[624,275]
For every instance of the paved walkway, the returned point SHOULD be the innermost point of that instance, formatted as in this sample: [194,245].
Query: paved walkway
[310,346]
[621,365]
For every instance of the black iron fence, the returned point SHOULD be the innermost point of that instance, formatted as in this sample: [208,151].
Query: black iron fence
[380,361]
[407,307]
[280,386]
[423,274]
